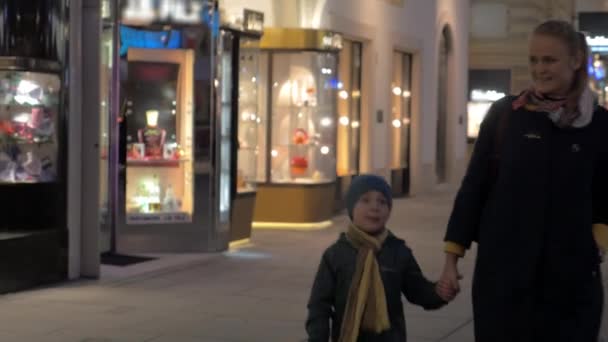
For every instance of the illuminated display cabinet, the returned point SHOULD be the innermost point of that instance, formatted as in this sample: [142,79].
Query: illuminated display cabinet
[34,144]
[168,182]
[239,64]
[297,132]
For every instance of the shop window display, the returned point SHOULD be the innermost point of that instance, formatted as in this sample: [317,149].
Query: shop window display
[28,121]
[167,157]
[401,109]
[485,87]
[158,140]
[477,108]
[349,109]
[303,117]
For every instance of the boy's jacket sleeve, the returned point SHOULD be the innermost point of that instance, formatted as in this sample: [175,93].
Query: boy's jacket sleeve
[416,288]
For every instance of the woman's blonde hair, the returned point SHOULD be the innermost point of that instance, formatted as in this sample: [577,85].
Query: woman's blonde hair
[577,46]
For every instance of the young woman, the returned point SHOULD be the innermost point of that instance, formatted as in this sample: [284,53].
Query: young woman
[535,198]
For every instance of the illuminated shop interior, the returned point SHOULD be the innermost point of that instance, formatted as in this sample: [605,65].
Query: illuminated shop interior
[485,87]
[158,80]
[299,87]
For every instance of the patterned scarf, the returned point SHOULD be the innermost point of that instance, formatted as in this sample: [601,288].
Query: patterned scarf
[556,108]
[366,307]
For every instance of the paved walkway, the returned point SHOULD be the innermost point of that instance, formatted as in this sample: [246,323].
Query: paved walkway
[255,293]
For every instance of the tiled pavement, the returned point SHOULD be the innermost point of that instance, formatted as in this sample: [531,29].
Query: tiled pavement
[255,293]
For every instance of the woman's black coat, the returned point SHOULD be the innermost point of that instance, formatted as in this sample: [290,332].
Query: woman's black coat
[537,269]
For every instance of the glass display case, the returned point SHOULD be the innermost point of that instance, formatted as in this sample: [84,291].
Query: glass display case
[158,123]
[35,239]
[250,118]
[297,143]
[169,142]
[303,118]
[29,103]
[242,123]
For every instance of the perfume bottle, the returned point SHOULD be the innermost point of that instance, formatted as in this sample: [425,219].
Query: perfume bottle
[152,136]
[170,203]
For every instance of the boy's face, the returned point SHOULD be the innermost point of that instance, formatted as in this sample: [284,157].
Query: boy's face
[371,212]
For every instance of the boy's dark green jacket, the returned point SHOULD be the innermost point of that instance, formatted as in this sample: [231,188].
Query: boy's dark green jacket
[400,273]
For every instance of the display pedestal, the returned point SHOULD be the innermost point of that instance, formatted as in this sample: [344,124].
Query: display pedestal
[31,259]
[242,216]
[294,205]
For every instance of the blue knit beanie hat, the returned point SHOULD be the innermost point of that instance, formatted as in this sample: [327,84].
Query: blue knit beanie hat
[366,183]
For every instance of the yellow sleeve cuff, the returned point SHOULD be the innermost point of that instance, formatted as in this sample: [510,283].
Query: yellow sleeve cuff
[454,248]
[600,233]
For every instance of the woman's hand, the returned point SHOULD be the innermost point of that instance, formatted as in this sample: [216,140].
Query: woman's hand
[449,283]
[445,291]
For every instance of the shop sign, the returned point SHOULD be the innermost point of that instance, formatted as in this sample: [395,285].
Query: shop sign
[160,218]
[166,11]
[253,21]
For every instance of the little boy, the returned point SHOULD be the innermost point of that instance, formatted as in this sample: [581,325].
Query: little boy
[361,276]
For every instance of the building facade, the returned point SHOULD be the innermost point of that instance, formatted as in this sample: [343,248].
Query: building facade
[153,141]
[420,31]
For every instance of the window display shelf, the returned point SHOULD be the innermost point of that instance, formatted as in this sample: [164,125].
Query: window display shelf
[20,108]
[20,141]
[304,181]
[156,163]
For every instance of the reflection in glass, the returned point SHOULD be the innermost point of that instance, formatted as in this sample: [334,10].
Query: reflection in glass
[401,109]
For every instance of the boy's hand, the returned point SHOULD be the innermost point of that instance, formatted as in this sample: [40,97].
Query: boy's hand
[446,291]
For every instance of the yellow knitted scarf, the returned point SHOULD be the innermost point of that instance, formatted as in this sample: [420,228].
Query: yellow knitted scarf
[366,304]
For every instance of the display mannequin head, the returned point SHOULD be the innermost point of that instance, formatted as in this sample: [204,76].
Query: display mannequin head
[152,118]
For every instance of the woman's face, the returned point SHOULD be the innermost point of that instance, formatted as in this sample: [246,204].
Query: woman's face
[551,65]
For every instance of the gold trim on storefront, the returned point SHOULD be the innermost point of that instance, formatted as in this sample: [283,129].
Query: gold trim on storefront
[300,39]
